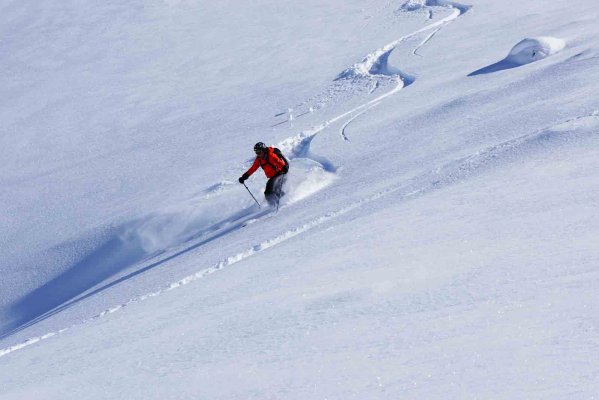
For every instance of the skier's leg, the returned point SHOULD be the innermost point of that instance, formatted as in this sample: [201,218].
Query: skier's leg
[279,189]
[279,185]
[269,192]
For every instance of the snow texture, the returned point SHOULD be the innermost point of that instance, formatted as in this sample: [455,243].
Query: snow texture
[437,238]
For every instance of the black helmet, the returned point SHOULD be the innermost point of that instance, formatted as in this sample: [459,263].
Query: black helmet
[259,147]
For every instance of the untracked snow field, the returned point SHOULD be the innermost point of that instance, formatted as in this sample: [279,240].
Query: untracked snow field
[439,235]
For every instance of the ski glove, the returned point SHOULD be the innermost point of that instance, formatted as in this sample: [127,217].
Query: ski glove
[285,169]
[243,178]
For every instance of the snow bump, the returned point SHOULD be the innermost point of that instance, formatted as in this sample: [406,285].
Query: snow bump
[525,52]
[534,49]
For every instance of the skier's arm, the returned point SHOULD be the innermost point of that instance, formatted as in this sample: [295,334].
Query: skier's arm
[253,168]
[250,171]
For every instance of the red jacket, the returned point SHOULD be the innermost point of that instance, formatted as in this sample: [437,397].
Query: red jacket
[273,164]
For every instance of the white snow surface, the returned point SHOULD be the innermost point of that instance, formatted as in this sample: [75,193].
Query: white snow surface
[438,237]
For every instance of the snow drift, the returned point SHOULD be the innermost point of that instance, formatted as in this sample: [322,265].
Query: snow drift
[534,49]
[525,52]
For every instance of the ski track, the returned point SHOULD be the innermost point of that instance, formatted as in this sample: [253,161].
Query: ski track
[342,131]
[425,41]
[374,67]
[375,86]
[447,174]
[365,67]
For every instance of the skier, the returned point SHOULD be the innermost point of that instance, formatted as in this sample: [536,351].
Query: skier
[275,167]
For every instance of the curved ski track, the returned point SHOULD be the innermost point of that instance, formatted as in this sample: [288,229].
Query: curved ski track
[374,66]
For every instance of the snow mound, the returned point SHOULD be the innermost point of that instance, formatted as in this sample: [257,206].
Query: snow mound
[534,49]
[525,52]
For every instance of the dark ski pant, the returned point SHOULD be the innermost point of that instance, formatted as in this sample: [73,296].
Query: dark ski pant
[274,189]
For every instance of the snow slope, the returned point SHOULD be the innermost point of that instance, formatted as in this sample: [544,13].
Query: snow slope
[437,240]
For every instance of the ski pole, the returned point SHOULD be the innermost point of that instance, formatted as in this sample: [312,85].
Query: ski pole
[248,189]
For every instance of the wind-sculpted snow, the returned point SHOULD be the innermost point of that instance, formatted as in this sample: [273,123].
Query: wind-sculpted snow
[577,130]
[534,49]
[525,52]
